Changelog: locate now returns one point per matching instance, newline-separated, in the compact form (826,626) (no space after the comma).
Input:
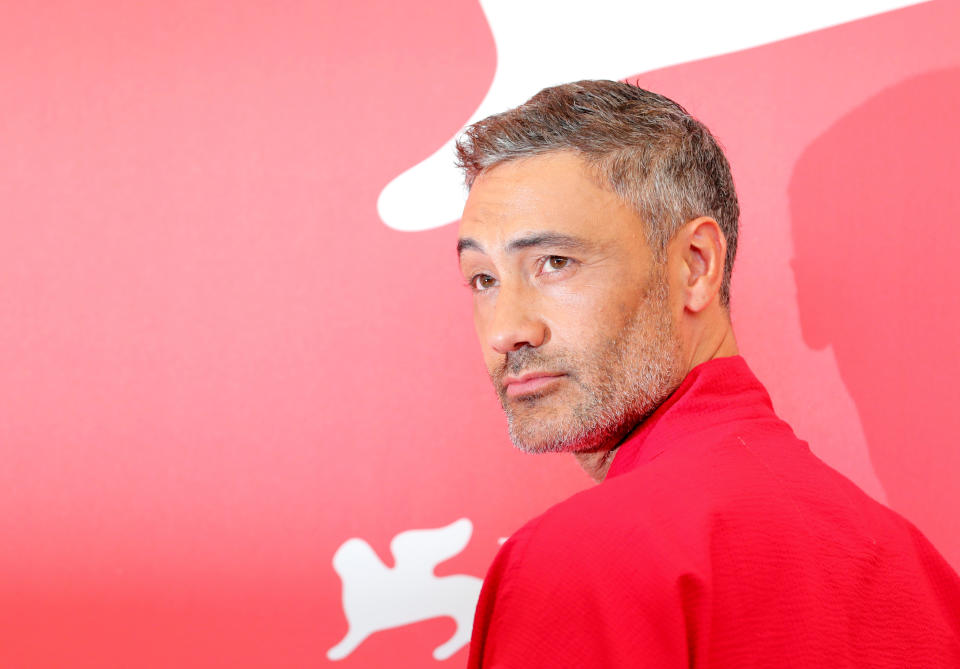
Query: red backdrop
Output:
(219,365)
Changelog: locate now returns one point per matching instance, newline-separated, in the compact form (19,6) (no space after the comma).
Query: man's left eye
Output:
(556,263)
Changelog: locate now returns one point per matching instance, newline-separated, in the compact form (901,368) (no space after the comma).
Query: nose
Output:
(516,322)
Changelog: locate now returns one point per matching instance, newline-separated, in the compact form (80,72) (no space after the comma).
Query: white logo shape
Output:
(547,42)
(376,597)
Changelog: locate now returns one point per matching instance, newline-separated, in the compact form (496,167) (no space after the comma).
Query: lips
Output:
(527,384)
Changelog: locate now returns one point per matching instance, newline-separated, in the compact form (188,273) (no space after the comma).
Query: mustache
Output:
(529,359)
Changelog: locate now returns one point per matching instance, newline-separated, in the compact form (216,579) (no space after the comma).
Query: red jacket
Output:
(718,540)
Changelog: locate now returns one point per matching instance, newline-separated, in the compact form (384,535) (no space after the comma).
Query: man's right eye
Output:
(481,282)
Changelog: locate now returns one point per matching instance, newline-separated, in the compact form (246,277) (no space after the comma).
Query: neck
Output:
(706,335)
(597,463)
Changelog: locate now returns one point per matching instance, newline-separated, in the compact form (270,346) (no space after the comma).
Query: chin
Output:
(560,440)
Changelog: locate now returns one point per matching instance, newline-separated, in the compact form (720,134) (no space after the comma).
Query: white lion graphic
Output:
(376,597)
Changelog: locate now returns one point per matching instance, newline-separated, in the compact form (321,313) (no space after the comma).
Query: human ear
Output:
(703,250)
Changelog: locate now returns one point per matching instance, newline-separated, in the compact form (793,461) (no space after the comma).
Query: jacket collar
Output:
(717,391)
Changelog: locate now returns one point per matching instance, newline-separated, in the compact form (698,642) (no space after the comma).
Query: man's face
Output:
(570,307)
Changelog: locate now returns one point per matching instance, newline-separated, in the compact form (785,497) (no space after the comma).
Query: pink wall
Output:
(219,364)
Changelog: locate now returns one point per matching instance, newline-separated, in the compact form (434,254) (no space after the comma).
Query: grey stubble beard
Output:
(620,385)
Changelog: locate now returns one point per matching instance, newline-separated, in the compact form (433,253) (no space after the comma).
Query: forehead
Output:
(555,192)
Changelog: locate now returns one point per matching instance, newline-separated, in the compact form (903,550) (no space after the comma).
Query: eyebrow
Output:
(466,243)
(554,239)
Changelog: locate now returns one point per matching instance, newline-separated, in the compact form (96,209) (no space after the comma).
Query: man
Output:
(598,240)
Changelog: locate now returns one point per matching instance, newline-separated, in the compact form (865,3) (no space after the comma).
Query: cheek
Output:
(480,324)
(584,318)
(493,363)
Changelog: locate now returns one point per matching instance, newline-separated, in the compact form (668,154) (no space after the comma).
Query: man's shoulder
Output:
(672,507)
(585,550)
(640,519)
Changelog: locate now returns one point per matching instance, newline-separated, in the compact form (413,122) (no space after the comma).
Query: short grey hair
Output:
(650,151)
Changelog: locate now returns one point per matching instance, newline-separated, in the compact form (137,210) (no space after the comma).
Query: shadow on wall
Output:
(875,203)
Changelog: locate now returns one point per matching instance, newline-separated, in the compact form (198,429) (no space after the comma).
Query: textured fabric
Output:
(718,540)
